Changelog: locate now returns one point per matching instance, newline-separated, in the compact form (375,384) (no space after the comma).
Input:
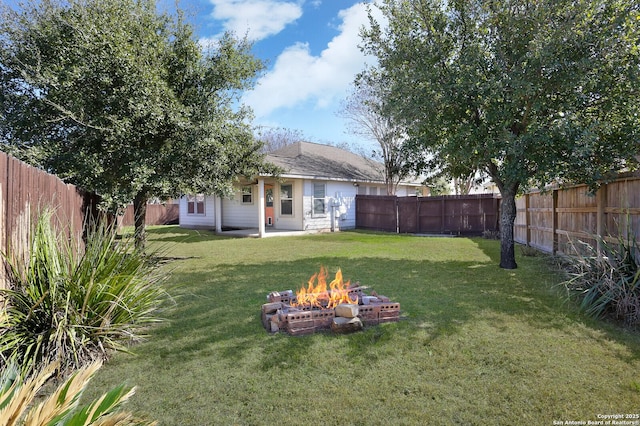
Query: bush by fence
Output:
(24,192)
(449,214)
(550,221)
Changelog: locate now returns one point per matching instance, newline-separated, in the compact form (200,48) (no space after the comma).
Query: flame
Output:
(316,294)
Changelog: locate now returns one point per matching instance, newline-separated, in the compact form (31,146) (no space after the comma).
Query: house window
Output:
(269,197)
(318,200)
(286,199)
(246,195)
(195,204)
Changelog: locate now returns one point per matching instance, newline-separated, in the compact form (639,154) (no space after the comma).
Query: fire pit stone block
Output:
(323,318)
(346,325)
(286,296)
(347,310)
(279,315)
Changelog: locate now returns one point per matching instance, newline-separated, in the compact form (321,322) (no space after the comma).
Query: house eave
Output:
(336,179)
(322,177)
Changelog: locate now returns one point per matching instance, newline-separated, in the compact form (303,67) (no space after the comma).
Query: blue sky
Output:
(312,55)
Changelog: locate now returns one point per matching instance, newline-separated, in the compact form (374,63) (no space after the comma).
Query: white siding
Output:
(206,220)
(237,214)
(340,195)
(404,191)
(314,221)
(295,221)
(344,193)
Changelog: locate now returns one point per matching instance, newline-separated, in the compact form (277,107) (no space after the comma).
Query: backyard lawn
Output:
(475,344)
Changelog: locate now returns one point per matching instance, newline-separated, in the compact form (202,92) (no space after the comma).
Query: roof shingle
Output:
(306,159)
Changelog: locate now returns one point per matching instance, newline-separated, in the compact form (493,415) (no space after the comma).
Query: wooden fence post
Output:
(442,215)
(527,219)
(498,205)
(601,202)
(418,203)
(4,185)
(554,221)
(397,209)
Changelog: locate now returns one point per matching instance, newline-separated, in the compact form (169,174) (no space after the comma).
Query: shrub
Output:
(72,304)
(607,283)
(18,400)
(528,251)
(491,234)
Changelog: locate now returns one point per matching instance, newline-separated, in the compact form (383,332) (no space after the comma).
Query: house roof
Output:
(316,161)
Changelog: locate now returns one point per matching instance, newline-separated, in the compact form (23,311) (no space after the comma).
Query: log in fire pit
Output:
(341,307)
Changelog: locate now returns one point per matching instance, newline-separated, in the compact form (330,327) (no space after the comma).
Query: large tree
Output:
(364,110)
(120,99)
(527,91)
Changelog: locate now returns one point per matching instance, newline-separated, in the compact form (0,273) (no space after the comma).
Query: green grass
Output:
(476,344)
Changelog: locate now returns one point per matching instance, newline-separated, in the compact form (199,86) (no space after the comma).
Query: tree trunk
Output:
(507,219)
(140,214)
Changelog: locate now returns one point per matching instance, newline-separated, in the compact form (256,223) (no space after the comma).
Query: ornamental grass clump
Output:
(607,283)
(21,402)
(72,304)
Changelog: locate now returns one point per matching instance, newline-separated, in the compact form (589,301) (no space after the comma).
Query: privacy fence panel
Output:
(157,214)
(462,214)
(4,188)
(377,213)
(455,215)
(408,215)
(556,220)
(622,208)
(24,192)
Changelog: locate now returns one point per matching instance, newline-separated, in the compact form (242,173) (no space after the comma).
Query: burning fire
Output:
(317,295)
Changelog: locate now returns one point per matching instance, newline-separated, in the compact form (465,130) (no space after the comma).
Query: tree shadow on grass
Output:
(555,298)
(217,312)
(176,234)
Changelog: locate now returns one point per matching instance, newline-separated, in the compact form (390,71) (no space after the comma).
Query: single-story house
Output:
(316,192)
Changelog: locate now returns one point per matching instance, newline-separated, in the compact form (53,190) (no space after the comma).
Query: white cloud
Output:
(256,18)
(298,77)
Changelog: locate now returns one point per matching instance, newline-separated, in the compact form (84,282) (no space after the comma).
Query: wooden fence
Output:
(157,214)
(449,214)
(552,221)
(24,192)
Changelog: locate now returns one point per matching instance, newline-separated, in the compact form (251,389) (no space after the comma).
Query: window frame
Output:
(269,199)
(196,205)
(244,193)
(315,199)
(288,199)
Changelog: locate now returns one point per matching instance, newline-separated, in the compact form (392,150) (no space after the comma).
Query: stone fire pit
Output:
(340,307)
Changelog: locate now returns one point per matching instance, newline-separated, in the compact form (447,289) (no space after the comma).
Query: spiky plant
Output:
(18,400)
(72,304)
(607,281)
